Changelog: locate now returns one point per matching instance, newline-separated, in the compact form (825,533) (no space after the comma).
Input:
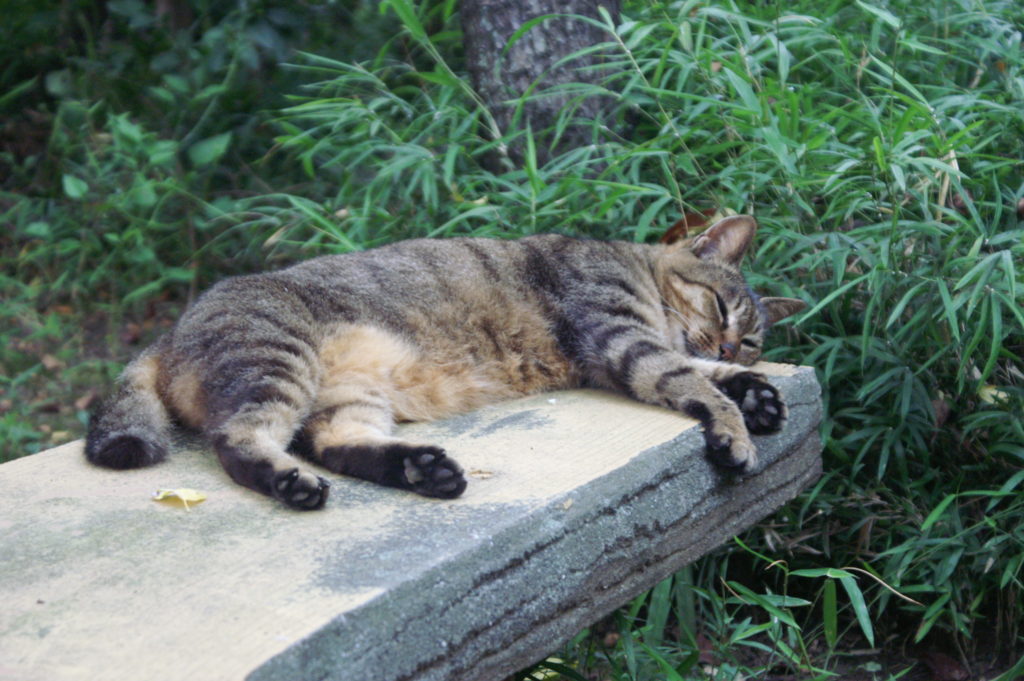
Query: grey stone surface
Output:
(577,502)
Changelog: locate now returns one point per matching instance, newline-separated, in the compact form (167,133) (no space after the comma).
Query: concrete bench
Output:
(578,501)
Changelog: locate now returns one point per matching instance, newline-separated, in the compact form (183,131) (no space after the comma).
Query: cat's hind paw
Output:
(759,401)
(432,473)
(301,490)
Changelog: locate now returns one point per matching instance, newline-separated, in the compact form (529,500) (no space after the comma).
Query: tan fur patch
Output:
(185,398)
(144,375)
(364,362)
(143,372)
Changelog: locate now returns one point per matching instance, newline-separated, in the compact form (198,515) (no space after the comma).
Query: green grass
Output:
(880,145)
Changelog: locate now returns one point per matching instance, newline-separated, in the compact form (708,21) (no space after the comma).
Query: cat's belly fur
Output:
(464,370)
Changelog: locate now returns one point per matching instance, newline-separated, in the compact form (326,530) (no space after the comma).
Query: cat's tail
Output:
(131,428)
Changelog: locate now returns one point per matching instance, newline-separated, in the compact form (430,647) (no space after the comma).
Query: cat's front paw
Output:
(301,490)
(725,435)
(432,473)
(759,401)
(731,450)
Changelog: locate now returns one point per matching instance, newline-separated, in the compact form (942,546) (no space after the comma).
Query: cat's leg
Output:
(251,446)
(351,435)
(630,358)
(254,405)
(668,379)
(759,401)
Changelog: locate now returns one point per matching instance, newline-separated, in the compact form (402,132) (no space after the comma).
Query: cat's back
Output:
(424,268)
(419,272)
(445,294)
(478,302)
(385,283)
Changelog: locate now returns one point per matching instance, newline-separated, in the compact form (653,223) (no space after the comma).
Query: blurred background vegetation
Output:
(148,149)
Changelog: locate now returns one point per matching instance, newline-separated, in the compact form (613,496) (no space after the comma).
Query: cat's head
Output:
(712,313)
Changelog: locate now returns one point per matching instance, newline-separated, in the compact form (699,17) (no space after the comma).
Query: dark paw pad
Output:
(429,471)
(759,401)
(301,490)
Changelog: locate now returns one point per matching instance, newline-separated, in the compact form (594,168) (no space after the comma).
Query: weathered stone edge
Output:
(615,577)
(616,581)
(497,611)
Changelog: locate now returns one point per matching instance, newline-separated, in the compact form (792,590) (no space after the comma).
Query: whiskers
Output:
(687,344)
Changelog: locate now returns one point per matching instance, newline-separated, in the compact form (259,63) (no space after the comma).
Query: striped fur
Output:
(321,359)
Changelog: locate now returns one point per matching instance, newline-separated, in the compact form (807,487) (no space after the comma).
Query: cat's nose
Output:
(727,351)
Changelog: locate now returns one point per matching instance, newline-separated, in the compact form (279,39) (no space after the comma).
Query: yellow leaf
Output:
(546,674)
(182,496)
(991,394)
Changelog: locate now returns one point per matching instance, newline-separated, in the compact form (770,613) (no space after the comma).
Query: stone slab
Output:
(577,502)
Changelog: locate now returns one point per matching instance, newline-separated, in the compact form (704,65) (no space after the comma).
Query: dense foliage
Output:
(879,144)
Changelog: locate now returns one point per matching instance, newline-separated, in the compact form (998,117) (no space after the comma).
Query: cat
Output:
(321,359)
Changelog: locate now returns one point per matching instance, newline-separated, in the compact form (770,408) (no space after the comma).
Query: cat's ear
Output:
(780,308)
(727,240)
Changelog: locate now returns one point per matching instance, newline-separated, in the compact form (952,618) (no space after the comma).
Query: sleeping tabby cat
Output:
(324,357)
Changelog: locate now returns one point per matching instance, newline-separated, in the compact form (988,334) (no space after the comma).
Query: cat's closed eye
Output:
(723,311)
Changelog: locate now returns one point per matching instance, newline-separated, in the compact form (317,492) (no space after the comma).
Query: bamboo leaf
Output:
(743,89)
(885,15)
(658,608)
(829,614)
(860,607)
(74,187)
(670,673)
(407,15)
(209,151)
(937,512)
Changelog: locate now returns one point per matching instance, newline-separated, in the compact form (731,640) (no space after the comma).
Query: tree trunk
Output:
(501,77)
